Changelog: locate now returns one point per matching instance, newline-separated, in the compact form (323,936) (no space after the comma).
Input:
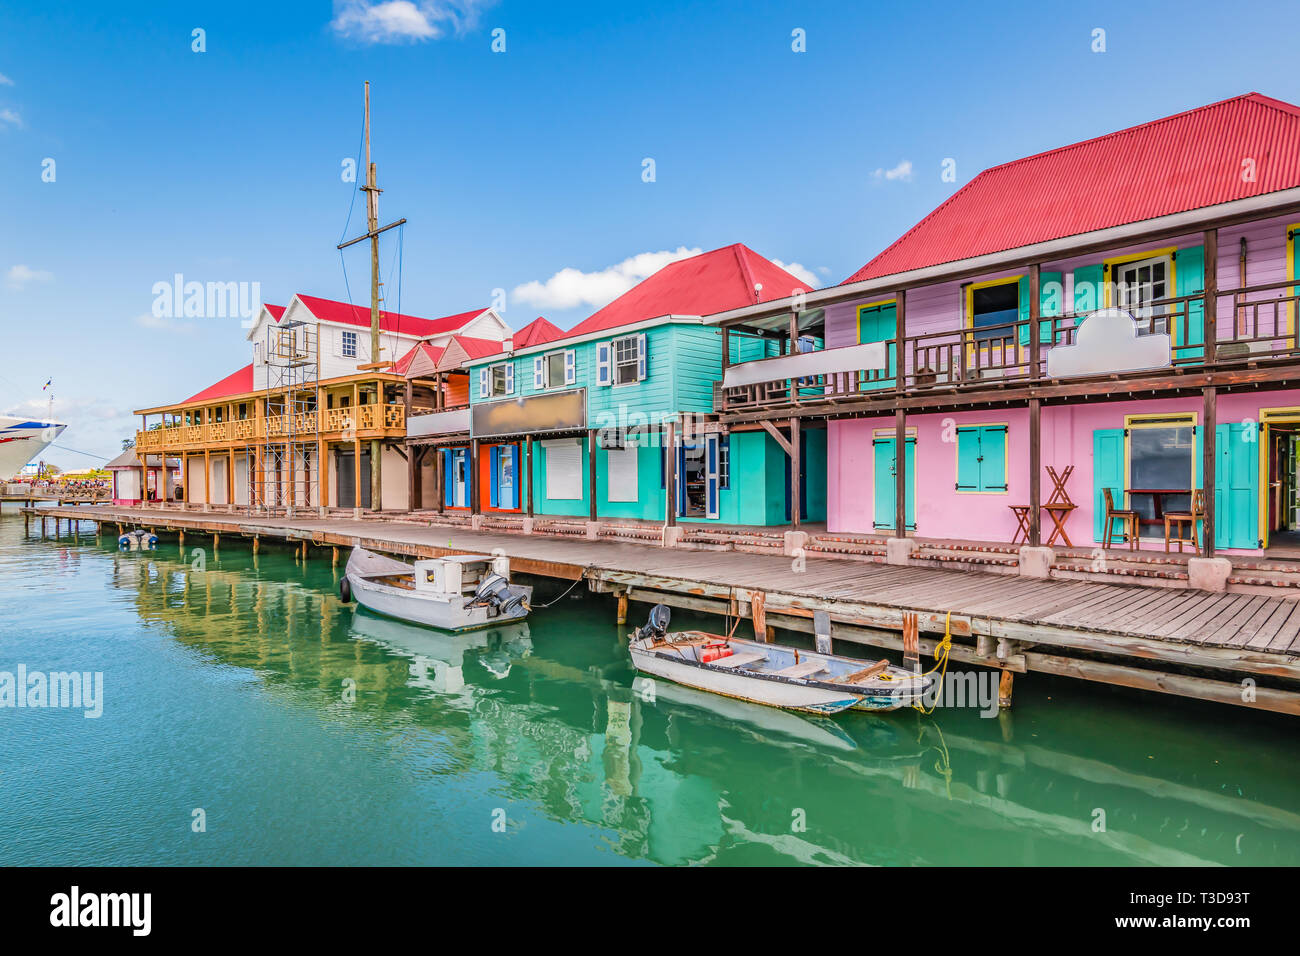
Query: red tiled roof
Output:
(536,332)
(329,310)
(701,285)
(434,353)
(1182,162)
(235,383)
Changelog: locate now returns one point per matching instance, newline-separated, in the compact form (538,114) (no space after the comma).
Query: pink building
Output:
(1158,267)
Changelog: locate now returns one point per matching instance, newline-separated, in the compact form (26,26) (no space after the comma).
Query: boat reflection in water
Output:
(438,657)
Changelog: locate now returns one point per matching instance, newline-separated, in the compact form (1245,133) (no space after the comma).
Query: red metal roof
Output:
(536,332)
(434,353)
(235,383)
(275,310)
(329,310)
(1175,164)
(477,348)
(701,285)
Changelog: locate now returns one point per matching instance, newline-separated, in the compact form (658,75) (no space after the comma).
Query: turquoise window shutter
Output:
(993,451)
(968,453)
(1189,279)
(1087,289)
(1051,302)
(1107,472)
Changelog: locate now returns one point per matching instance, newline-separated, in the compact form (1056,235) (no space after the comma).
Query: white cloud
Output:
(5,81)
(799,272)
(18,276)
(403,21)
(901,172)
(10,117)
(570,288)
(148,320)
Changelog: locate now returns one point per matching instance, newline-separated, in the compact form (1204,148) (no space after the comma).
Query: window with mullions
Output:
(724,461)
(349,345)
(1137,285)
(625,360)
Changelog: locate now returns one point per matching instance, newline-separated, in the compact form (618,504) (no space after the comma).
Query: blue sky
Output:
(224,165)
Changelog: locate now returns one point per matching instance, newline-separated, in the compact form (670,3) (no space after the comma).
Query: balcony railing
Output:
(1254,325)
(332,422)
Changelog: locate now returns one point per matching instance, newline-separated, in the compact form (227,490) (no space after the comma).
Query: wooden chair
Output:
(1175,520)
(1128,523)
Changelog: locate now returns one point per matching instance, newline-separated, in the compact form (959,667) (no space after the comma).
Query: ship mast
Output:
(373,231)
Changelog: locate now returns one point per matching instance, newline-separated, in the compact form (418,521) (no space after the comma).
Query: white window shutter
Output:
(510,378)
(539,373)
(570,367)
(640,357)
(602,363)
(483,382)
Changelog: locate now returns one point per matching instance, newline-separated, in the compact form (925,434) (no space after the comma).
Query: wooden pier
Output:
(1227,647)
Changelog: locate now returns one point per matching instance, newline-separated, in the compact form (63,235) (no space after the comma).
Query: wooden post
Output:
(622,607)
(207,479)
(591,470)
(256,542)
(439,480)
(1004,689)
(528,467)
(794,348)
(216,542)
(1035,472)
(1210,421)
(413,455)
(796,481)
(900,341)
(322,455)
(900,473)
(670,472)
(1211,308)
(334,557)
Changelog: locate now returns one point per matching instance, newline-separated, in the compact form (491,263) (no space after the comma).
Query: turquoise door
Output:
(879,323)
(1107,472)
(1236,486)
(885,500)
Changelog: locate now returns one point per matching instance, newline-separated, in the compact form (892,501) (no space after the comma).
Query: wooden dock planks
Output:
(1253,633)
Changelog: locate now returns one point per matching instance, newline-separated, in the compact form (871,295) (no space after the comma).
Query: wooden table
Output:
(1158,496)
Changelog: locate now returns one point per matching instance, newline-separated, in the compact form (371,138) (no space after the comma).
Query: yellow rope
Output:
(940,664)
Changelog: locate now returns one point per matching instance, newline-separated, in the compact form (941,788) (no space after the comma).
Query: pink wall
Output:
(942,512)
(938,308)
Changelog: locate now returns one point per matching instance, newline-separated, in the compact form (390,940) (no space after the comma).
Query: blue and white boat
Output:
(771,674)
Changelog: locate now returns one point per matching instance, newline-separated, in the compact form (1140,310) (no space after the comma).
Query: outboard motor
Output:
(496,593)
(657,624)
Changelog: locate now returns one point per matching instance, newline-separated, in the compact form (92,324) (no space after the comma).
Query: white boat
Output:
(771,674)
(22,439)
(457,592)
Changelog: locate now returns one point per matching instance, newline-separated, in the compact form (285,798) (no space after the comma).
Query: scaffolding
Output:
(281,458)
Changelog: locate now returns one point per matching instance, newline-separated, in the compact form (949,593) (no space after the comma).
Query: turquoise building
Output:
(624,403)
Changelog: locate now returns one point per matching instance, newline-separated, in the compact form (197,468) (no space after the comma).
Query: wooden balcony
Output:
(1254,330)
(330,424)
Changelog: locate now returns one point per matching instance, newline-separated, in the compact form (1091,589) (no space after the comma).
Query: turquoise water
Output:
(226,690)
